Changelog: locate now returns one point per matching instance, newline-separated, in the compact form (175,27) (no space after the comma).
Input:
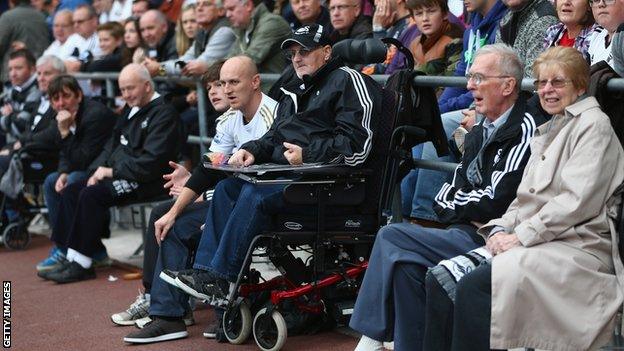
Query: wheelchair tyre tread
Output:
(237,323)
(15,236)
(270,331)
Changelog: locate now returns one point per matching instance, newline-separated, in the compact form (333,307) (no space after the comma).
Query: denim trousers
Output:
(52,198)
(391,302)
(176,253)
(420,186)
(238,212)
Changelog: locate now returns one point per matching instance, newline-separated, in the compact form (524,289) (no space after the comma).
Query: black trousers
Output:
(464,326)
(83,217)
(150,248)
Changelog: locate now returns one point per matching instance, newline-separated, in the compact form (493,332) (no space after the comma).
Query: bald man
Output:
(129,169)
(160,39)
(249,117)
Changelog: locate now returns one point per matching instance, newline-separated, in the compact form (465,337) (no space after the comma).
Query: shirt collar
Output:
(136,109)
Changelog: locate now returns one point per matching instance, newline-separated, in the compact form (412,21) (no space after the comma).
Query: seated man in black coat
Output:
(128,169)
(82,126)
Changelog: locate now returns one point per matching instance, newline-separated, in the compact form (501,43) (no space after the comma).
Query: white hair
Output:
(56,63)
(509,63)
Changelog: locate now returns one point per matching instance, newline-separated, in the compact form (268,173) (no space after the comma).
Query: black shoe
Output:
(218,292)
(169,276)
(72,273)
(211,330)
(46,274)
(158,330)
(194,284)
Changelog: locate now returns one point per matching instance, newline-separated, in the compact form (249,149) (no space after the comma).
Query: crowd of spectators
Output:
(107,145)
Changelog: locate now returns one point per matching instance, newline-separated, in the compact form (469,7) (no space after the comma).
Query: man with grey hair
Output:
(259,33)
(85,24)
(212,42)
(65,40)
(483,186)
(128,169)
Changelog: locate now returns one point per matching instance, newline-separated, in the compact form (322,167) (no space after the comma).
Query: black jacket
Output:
(41,135)
(503,164)
(362,28)
(329,115)
(94,124)
(140,147)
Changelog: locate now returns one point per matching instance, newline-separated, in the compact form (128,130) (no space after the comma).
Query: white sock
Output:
(84,261)
(368,344)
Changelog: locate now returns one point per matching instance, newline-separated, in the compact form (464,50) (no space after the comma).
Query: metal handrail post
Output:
(201,115)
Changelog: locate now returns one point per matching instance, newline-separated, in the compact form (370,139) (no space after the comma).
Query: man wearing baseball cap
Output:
(324,116)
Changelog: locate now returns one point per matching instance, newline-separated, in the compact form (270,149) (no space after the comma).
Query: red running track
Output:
(47,316)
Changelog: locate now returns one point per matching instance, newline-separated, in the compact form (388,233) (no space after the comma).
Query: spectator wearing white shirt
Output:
(113,10)
(85,25)
(65,40)
(608,14)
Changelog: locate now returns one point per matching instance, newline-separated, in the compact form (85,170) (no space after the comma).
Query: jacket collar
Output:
(511,126)
(159,100)
(581,105)
(256,14)
(302,86)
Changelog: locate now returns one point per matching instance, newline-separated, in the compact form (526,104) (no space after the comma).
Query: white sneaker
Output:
(137,310)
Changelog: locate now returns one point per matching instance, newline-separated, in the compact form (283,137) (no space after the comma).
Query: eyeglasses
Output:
(303,52)
(79,22)
(596,3)
(341,8)
(556,83)
(478,78)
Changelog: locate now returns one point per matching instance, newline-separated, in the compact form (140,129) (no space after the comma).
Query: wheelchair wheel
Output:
(270,330)
(237,323)
(16,236)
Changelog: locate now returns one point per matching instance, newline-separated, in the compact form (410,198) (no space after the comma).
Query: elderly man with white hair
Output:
(128,169)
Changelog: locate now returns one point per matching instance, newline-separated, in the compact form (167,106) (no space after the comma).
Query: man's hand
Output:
(99,175)
(18,45)
(195,68)
(162,226)
(383,16)
(6,110)
(191,98)
(72,65)
(177,178)
(501,242)
(17,145)
(64,121)
(152,66)
(61,182)
(293,154)
(242,158)
(469,120)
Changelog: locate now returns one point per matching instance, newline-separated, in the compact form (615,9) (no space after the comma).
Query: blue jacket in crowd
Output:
(482,31)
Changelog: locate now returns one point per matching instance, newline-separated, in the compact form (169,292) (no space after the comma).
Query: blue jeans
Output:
(418,203)
(238,212)
(391,302)
(175,254)
(52,198)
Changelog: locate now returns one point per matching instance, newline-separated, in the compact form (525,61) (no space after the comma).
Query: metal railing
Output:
(203,140)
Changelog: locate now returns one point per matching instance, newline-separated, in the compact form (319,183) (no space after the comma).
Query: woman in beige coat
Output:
(553,281)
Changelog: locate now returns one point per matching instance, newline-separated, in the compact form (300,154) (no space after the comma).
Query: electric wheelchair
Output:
(347,207)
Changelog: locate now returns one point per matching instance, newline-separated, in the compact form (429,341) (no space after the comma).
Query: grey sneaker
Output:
(137,310)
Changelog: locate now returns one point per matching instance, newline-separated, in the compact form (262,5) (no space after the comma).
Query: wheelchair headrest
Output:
(361,51)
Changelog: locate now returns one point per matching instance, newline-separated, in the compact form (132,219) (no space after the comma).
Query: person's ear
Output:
(255,82)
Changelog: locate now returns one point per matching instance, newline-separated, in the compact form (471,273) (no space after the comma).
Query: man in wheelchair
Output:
(324,116)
